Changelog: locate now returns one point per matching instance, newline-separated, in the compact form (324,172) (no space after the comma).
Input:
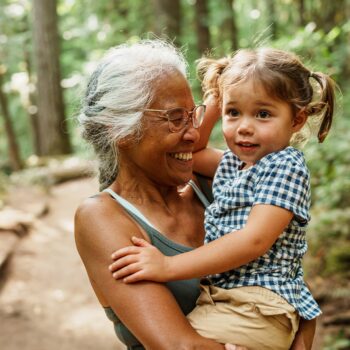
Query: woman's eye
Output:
(232,112)
(263,114)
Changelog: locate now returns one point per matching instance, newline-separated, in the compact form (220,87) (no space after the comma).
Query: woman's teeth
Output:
(182,156)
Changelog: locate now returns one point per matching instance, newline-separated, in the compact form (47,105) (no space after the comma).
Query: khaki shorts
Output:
(251,316)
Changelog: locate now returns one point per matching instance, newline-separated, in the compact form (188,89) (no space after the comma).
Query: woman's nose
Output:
(191,133)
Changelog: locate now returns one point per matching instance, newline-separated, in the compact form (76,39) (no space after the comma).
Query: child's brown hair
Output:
(283,76)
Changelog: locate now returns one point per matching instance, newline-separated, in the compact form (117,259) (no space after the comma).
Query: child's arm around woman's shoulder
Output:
(206,160)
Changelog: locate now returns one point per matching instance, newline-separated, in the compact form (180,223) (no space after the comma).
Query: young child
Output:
(255,228)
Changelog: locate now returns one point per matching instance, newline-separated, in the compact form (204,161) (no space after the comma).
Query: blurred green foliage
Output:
(336,342)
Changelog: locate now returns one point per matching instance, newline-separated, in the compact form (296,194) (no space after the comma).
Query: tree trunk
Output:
(32,108)
(202,26)
(330,14)
(229,25)
(302,13)
(272,18)
(53,132)
(168,19)
(13,149)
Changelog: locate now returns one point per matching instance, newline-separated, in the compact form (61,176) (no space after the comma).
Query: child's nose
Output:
(245,126)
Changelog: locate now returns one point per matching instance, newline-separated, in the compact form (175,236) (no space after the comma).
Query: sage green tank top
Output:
(185,292)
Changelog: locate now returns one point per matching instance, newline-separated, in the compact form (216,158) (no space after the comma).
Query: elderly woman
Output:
(140,117)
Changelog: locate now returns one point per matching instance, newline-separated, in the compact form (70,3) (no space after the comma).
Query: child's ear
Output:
(299,120)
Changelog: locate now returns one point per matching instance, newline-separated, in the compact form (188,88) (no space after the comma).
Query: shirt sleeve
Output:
(287,185)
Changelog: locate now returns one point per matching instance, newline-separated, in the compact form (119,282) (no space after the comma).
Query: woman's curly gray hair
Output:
(118,90)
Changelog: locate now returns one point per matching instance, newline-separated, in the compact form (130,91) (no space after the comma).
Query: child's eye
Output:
(232,112)
(263,114)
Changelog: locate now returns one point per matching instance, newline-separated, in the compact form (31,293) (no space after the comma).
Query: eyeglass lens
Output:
(178,118)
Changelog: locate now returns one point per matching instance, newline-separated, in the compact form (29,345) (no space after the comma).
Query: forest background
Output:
(49,47)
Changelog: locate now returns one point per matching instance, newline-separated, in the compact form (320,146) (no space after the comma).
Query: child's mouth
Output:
(246,145)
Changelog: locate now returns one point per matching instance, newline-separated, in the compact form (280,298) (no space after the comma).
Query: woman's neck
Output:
(141,190)
(173,210)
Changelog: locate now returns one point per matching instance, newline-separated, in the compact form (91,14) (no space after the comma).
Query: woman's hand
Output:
(140,262)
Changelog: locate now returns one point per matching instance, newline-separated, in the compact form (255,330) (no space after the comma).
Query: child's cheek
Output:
(228,130)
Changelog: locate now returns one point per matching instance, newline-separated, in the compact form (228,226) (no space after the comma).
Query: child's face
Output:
(254,123)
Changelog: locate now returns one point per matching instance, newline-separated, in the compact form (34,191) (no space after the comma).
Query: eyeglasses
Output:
(179,117)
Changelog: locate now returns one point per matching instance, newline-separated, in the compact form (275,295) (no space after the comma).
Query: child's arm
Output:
(206,160)
(212,115)
(264,225)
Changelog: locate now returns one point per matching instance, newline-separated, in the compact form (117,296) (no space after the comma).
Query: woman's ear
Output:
(299,120)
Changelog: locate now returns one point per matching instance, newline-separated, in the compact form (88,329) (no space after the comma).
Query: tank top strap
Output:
(157,239)
(204,186)
(201,196)
(128,206)
(137,214)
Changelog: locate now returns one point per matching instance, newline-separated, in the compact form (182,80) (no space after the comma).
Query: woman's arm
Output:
(148,309)
(229,251)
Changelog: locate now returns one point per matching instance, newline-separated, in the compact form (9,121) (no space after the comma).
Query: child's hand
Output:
(140,262)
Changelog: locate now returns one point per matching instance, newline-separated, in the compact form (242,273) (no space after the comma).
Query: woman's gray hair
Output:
(117,92)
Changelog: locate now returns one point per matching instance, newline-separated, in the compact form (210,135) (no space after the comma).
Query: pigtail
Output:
(325,104)
(209,72)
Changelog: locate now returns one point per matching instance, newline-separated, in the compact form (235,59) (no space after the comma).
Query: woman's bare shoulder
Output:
(93,211)
(101,223)
(94,207)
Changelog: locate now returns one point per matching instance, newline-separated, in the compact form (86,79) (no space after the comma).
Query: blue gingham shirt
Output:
(281,179)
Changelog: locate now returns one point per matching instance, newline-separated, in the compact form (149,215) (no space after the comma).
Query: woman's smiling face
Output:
(163,156)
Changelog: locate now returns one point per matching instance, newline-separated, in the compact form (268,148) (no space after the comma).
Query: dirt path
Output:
(46,301)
